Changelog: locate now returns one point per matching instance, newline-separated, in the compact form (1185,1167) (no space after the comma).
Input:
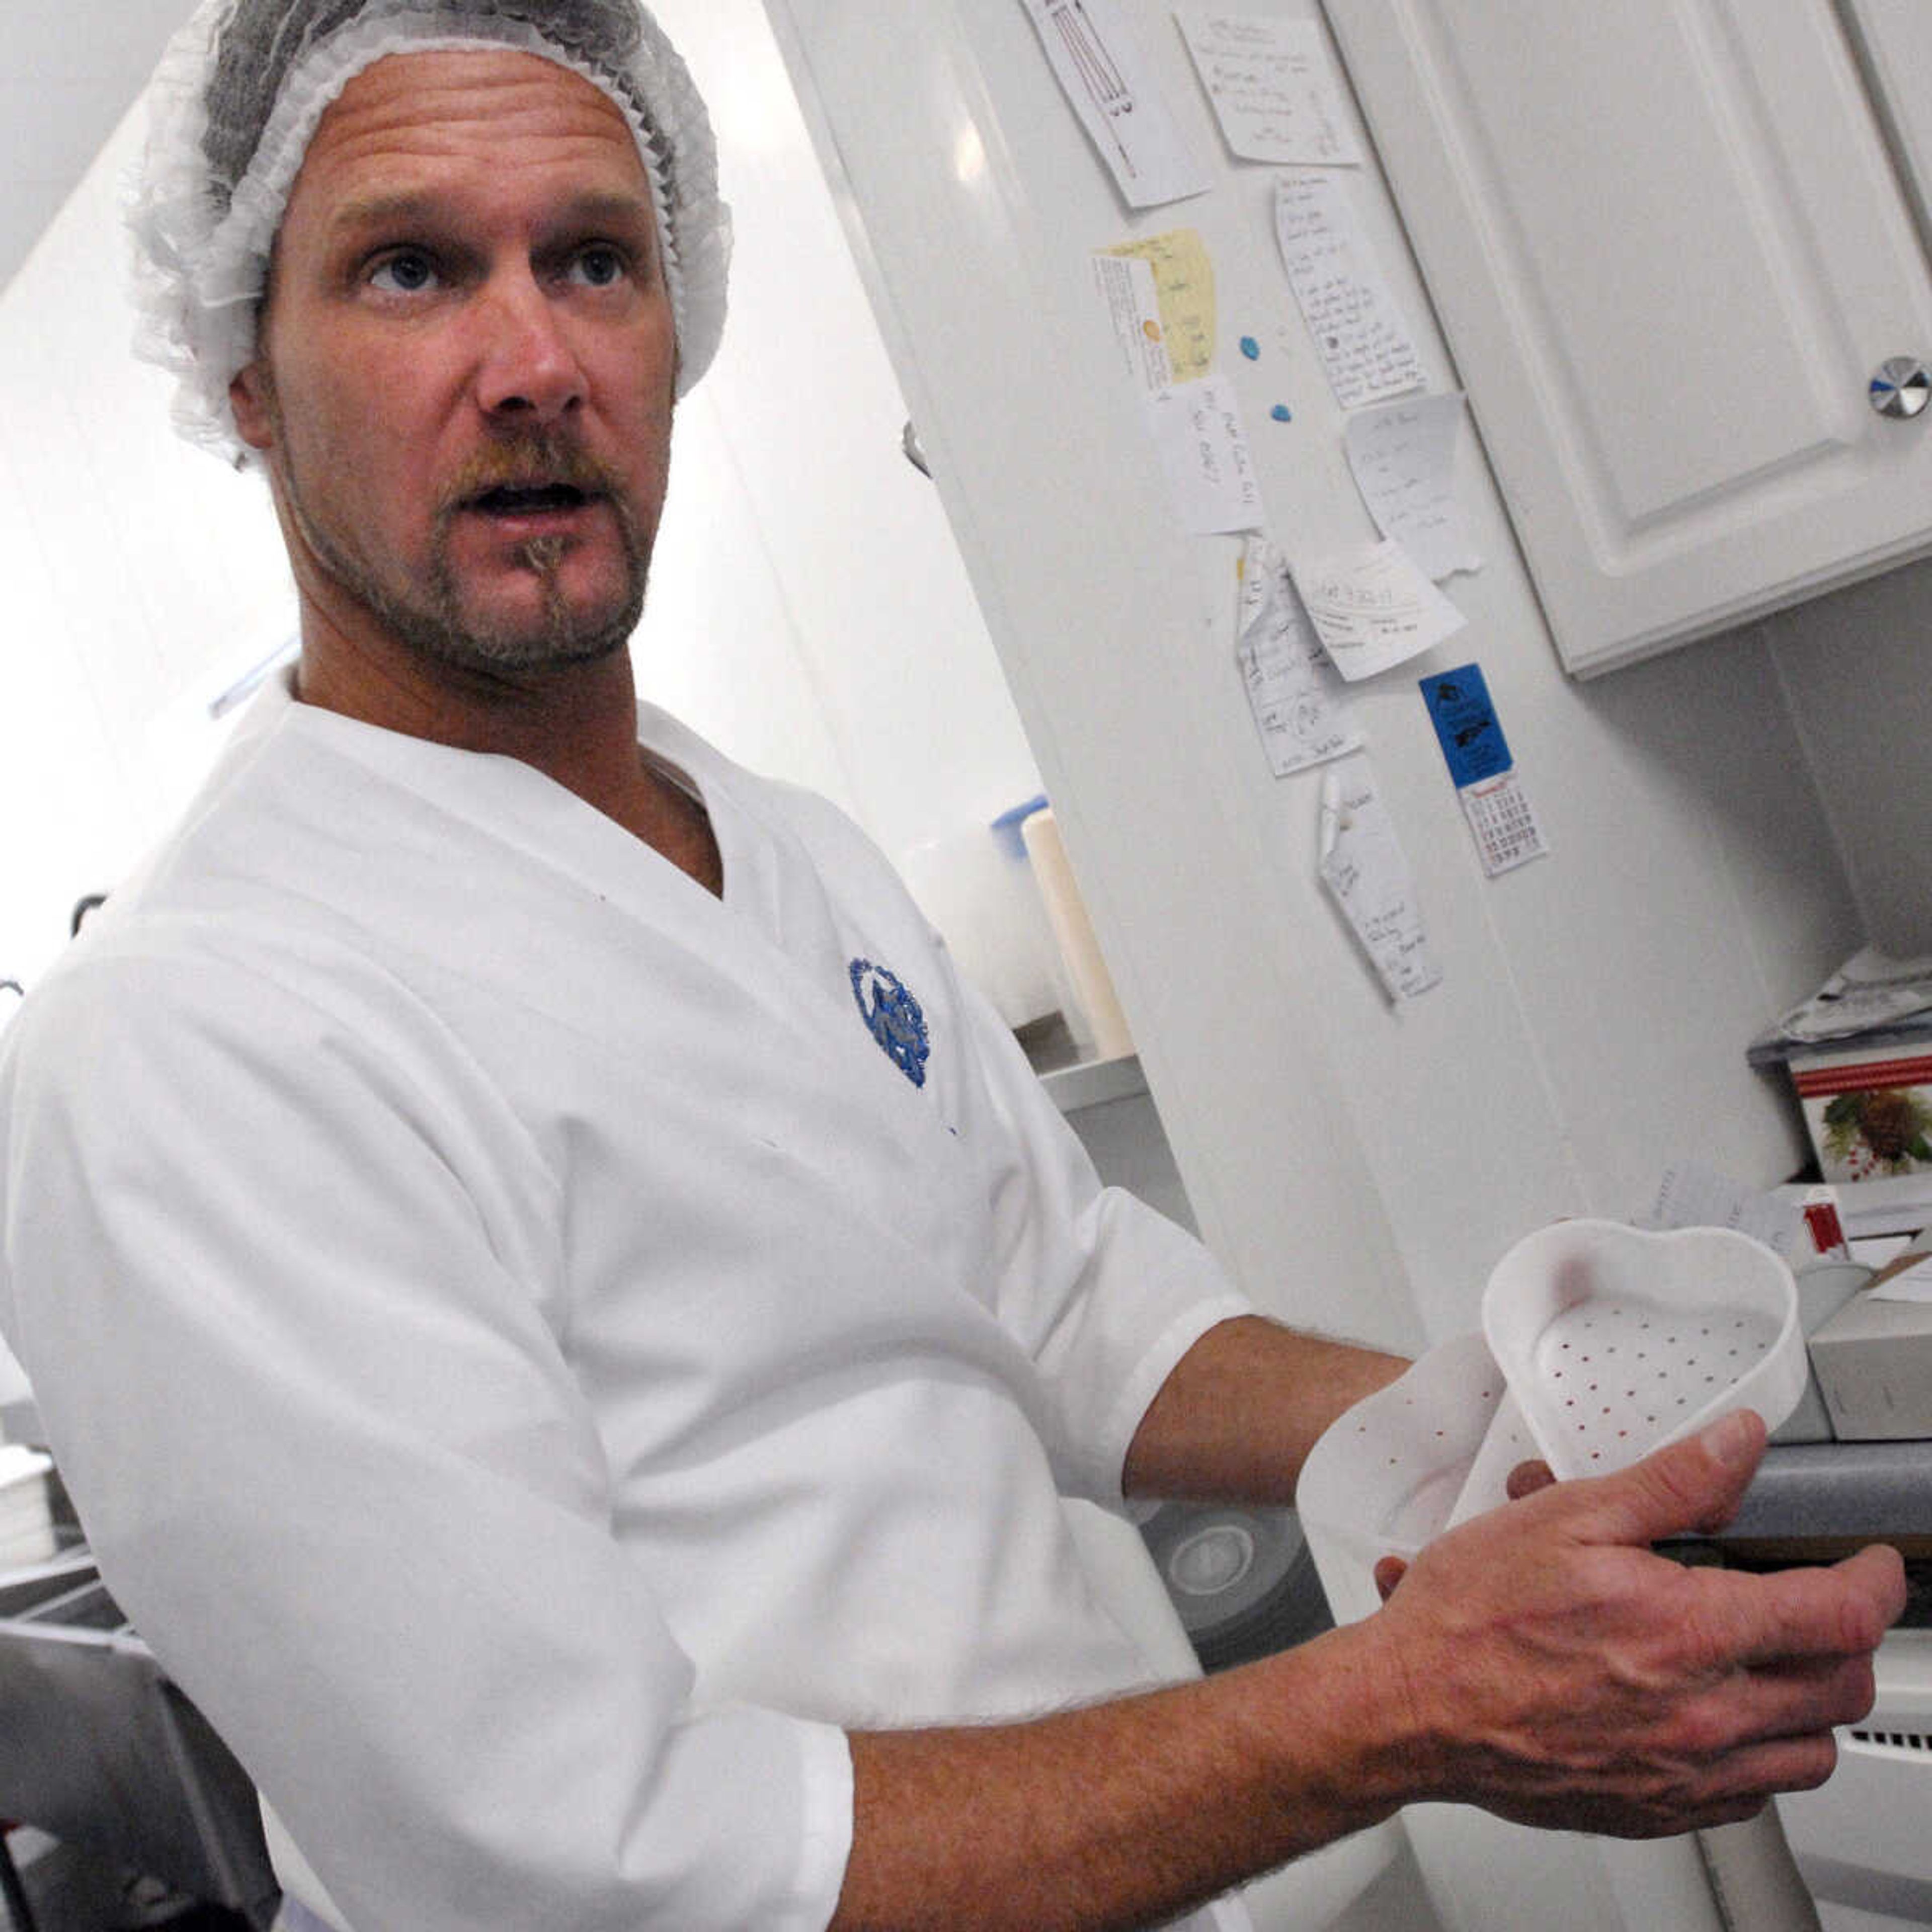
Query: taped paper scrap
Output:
(1272,87)
(1374,609)
(1133,306)
(1111,85)
(1363,864)
(1403,456)
(1184,281)
(1299,701)
(1365,342)
(1197,428)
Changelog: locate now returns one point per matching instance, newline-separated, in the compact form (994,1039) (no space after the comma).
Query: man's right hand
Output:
(1540,1661)
(1559,1673)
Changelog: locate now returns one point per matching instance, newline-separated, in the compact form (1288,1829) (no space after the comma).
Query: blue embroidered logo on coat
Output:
(896,1019)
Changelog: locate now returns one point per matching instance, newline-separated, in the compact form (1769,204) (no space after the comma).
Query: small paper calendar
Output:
(1506,831)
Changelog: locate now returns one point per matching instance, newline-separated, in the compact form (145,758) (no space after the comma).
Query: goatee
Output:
(428,615)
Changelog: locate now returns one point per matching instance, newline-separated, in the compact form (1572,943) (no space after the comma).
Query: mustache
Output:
(539,460)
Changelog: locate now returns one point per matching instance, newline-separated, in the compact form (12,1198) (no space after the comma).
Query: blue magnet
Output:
(1251,349)
(1282,413)
(1466,724)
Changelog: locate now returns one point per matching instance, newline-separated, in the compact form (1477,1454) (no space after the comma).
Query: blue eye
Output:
(602,267)
(407,273)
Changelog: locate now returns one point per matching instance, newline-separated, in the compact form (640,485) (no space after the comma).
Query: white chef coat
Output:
(540,1351)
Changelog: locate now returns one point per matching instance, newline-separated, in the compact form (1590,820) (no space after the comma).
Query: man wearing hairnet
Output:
(568,1326)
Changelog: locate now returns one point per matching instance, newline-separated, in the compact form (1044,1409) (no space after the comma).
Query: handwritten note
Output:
(1363,866)
(1133,306)
(1403,455)
(1197,428)
(1111,85)
(1365,344)
(1373,609)
(1299,702)
(1274,91)
(1183,280)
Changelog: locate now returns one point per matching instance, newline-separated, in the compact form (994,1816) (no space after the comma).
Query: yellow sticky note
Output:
(1183,275)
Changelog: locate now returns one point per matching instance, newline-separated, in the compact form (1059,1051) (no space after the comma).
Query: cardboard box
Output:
(1873,1362)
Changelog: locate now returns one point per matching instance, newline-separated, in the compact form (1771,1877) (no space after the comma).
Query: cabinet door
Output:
(1669,249)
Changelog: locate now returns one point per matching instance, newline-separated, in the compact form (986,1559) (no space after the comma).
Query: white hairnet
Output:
(237,99)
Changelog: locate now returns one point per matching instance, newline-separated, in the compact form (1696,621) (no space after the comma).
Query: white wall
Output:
(1858,666)
(134,569)
(807,610)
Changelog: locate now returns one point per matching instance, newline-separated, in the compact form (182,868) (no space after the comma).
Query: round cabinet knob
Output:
(1901,387)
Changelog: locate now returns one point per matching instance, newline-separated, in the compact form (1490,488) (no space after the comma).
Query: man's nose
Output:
(529,368)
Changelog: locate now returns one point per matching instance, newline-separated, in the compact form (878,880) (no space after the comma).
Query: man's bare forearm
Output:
(1540,1661)
(1235,1420)
(1121,1814)
(1127,1813)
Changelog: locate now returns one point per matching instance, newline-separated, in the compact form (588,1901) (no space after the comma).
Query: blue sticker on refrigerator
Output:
(1505,828)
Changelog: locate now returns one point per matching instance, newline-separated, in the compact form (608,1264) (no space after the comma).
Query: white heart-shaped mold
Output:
(1616,1341)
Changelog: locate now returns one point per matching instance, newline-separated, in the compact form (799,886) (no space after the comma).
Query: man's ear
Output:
(249,396)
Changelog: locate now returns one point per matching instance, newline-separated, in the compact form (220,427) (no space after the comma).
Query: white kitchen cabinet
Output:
(1670,245)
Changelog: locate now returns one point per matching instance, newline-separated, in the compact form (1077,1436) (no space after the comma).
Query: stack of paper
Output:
(1869,993)
(26,1507)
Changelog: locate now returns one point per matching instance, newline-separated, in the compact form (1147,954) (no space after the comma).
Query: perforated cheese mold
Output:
(1383,1478)
(1625,1373)
(1600,1342)
(1616,1341)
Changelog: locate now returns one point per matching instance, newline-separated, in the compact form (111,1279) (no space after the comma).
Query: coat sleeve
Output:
(284,1270)
(1106,1293)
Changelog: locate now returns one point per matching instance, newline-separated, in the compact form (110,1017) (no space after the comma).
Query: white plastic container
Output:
(1616,1341)
(1600,1343)
(1381,1481)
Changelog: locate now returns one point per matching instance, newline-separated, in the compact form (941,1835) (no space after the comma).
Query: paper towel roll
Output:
(1093,986)
(977,893)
